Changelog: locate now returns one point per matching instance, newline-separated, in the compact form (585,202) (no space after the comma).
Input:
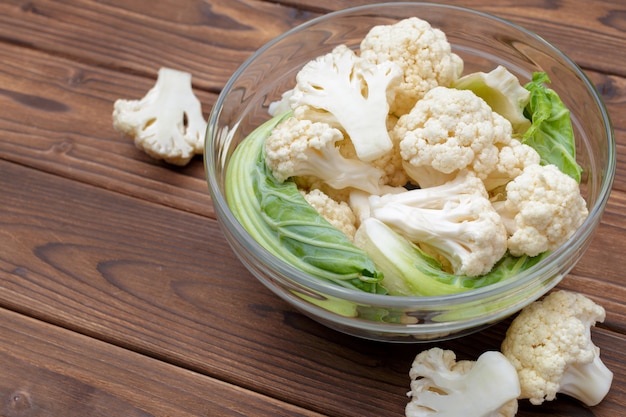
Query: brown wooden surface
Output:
(118,293)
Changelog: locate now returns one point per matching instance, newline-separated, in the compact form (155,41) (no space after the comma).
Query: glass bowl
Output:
(483,41)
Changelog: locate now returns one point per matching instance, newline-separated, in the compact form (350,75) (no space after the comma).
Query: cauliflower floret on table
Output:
(449,130)
(549,344)
(338,213)
(167,123)
(353,93)
(302,148)
(542,209)
(422,52)
(455,222)
(443,387)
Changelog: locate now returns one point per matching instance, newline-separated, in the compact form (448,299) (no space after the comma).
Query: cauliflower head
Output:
(449,130)
(454,222)
(421,51)
(167,123)
(443,387)
(352,92)
(513,158)
(549,344)
(338,213)
(543,208)
(302,148)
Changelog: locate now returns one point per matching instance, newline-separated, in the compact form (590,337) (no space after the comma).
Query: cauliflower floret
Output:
(338,213)
(542,209)
(455,222)
(443,387)
(167,123)
(301,148)
(447,131)
(353,92)
(549,344)
(422,52)
(392,165)
(513,158)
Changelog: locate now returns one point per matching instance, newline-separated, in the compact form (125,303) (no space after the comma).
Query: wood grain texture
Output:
(210,40)
(49,371)
(113,272)
(582,29)
(57,117)
(176,292)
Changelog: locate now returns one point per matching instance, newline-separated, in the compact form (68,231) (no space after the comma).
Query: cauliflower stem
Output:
(443,387)
(408,270)
(588,382)
(456,219)
(167,123)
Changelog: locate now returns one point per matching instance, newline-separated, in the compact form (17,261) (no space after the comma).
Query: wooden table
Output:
(118,293)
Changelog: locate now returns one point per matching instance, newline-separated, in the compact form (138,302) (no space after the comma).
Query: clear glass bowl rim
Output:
(526,279)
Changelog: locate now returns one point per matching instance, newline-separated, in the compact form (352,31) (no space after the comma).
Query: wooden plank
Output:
(146,39)
(208,40)
(211,41)
(163,282)
(49,371)
(613,90)
(60,101)
(57,117)
(591,34)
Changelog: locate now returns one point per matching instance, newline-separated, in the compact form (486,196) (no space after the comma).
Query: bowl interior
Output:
(483,41)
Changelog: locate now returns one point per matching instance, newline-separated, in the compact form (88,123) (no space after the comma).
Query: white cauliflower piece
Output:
(549,344)
(513,158)
(167,123)
(542,209)
(338,213)
(443,387)
(302,148)
(455,222)
(449,130)
(353,92)
(422,52)
(390,163)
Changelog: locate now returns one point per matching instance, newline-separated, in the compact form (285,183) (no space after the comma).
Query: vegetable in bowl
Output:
(335,300)
(441,178)
(278,216)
